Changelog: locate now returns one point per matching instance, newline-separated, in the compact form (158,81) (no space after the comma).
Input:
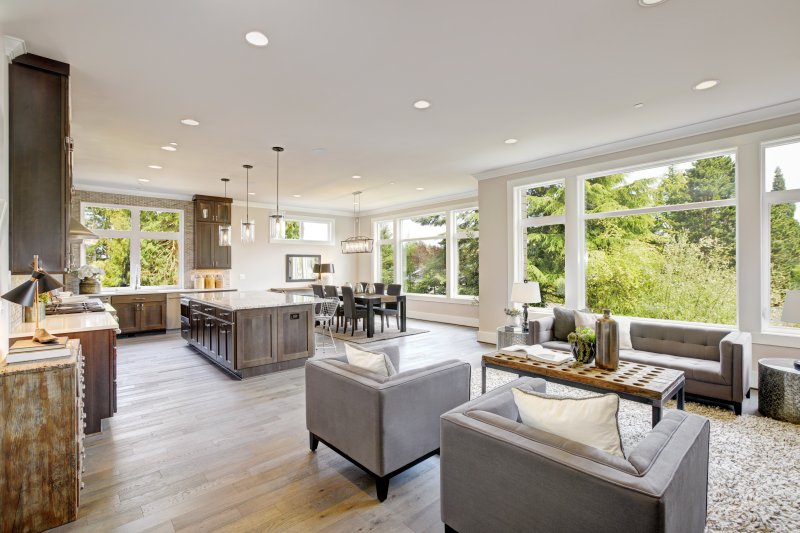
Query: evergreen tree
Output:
(778,182)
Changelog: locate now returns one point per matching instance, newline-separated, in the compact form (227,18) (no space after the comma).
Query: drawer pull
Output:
(294,316)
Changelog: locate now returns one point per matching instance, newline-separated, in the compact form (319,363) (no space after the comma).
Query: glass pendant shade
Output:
(357,244)
(225,235)
(248,231)
(277,226)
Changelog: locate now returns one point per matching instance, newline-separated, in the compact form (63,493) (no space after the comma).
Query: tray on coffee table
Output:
(633,381)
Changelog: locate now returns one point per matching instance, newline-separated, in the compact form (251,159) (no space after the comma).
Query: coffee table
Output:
(632,381)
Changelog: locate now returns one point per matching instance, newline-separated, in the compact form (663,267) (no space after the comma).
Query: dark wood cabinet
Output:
(39,162)
(210,212)
(250,342)
(147,312)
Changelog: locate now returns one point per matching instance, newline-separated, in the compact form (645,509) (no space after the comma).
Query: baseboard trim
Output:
(489,337)
(447,319)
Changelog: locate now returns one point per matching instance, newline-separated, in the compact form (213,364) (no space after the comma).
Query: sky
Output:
(787,157)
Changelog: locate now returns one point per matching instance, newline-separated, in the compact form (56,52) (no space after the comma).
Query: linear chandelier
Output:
(357,244)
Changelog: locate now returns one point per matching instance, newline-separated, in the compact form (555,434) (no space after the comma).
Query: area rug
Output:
(754,470)
(361,336)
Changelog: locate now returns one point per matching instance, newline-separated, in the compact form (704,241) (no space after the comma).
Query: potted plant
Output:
(90,279)
(583,345)
(514,316)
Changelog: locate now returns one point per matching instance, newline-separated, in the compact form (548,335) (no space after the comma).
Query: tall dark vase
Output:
(607,335)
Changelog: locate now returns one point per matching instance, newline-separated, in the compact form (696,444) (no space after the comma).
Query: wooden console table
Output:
(647,384)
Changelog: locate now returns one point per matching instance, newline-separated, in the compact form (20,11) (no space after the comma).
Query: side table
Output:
(507,338)
(779,389)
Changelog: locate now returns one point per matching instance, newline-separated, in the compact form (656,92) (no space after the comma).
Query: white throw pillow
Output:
(624,333)
(591,421)
(375,362)
(584,320)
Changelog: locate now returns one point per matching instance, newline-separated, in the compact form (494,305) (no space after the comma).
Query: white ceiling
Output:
(342,75)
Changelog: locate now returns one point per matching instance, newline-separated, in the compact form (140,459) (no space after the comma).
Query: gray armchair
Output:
(716,362)
(499,475)
(382,425)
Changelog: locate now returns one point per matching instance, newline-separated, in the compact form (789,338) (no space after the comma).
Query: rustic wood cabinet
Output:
(41,442)
(139,313)
(210,212)
(40,173)
(250,342)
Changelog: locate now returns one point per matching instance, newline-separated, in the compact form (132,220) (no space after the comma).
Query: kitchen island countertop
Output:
(250,299)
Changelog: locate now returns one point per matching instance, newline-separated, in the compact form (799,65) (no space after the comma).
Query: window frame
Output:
(769,199)
(330,222)
(136,235)
(450,236)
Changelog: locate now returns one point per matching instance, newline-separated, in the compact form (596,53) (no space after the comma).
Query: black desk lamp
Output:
(27,295)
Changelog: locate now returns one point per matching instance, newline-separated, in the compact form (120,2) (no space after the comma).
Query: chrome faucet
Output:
(136,284)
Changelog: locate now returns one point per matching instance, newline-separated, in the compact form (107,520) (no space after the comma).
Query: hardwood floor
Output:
(191,449)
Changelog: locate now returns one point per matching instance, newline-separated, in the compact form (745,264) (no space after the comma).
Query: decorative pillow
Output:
(375,362)
(564,322)
(624,333)
(591,421)
(584,320)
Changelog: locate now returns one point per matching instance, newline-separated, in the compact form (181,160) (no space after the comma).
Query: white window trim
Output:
(136,235)
(330,241)
(450,236)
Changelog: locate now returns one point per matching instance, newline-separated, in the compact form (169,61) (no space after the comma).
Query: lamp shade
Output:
(791,308)
(526,293)
(78,231)
(47,282)
(24,294)
(326,268)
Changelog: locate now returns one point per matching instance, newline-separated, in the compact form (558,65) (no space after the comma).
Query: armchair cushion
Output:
(591,421)
(374,362)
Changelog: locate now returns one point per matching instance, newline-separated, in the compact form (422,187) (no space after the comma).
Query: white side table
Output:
(779,389)
(507,338)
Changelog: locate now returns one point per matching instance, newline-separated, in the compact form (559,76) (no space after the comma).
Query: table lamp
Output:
(27,294)
(324,270)
(526,293)
(791,313)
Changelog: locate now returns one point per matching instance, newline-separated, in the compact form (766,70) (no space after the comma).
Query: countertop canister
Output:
(607,335)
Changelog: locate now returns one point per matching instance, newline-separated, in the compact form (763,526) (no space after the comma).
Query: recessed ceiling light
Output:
(169,148)
(318,151)
(705,85)
(511,141)
(189,122)
(650,3)
(420,188)
(391,183)
(156,167)
(356,177)
(297,195)
(422,104)
(173,144)
(256,38)
(638,106)
(251,193)
(144,180)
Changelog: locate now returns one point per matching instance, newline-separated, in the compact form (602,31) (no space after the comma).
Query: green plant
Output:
(513,311)
(582,341)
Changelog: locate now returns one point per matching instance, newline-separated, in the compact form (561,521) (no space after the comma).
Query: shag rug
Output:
(754,470)
(361,336)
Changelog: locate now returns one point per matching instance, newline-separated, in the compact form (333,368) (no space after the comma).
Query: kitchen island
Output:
(249,333)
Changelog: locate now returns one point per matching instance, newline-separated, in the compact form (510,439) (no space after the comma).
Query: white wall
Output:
(263,264)
(5,274)
(495,196)
(462,311)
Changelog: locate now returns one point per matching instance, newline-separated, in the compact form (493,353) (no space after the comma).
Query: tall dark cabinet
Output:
(40,165)
(210,212)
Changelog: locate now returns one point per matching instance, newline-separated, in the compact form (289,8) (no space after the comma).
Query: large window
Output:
(433,254)
(661,242)
(135,244)
(782,182)
(307,229)
(543,208)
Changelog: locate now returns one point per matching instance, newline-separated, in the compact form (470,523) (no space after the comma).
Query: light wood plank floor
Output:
(191,449)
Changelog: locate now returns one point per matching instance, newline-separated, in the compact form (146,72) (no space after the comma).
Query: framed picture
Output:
(301,267)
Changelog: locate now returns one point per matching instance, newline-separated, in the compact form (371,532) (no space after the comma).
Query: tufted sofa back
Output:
(680,340)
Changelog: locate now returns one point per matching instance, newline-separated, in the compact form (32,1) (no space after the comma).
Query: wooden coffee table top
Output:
(630,378)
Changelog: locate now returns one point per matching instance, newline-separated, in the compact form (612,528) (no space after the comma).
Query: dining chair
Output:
(390,308)
(351,311)
(327,312)
(319,292)
(332,292)
(379,288)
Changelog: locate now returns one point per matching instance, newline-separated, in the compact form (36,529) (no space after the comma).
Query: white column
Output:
(752,238)
(575,286)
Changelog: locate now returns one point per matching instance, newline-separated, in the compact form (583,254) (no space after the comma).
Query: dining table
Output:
(372,300)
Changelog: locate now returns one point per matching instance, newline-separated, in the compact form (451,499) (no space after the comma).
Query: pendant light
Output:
(277,220)
(225,230)
(248,224)
(357,244)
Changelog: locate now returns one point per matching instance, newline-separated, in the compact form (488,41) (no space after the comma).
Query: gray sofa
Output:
(715,362)
(499,475)
(382,425)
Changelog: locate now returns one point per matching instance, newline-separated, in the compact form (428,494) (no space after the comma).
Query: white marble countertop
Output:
(251,299)
(125,292)
(60,324)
